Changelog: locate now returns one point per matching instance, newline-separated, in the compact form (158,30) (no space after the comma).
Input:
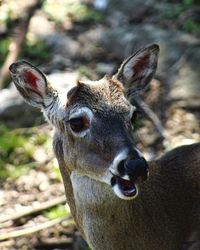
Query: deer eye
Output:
(79,124)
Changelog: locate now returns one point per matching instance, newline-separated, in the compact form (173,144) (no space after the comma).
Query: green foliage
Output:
(56,171)
(6,14)
(40,139)
(191,26)
(85,71)
(175,11)
(17,151)
(58,11)
(12,172)
(185,2)
(188,2)
(36,50)
(4,46)
(56,212)
(11,143)
(88,15)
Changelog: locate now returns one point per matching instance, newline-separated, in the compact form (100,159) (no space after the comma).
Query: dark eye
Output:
(134,116)
(79,124)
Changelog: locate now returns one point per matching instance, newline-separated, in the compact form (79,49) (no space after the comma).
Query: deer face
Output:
(95,119)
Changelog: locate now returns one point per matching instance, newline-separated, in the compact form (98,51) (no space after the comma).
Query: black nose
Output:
(134,168)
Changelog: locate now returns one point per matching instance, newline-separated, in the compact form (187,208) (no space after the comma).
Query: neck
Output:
(98,208)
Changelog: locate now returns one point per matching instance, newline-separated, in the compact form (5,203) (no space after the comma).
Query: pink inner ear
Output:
(142,63)
(31,79)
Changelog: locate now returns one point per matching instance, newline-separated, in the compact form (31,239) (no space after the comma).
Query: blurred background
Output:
(73,39)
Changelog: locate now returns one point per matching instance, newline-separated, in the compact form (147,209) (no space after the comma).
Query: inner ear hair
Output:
(137,70)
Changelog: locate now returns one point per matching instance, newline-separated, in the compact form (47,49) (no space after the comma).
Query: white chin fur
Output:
(118,192)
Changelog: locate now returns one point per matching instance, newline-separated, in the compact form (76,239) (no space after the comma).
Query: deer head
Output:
(95,119)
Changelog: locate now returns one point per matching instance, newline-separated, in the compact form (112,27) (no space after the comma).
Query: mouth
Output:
(124,188)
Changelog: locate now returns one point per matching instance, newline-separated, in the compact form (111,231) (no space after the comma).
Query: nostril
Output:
(134,168)
(121,167)
(135,163)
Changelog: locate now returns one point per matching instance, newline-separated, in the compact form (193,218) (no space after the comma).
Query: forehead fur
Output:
(105,94)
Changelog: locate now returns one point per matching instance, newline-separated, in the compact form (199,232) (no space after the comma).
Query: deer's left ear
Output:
(137,71)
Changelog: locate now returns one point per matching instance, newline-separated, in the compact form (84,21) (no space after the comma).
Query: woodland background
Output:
(72,39)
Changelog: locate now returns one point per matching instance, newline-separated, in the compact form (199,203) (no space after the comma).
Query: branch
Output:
(25,230)
(6,244)
(34,210)
(152,116)
(18,40)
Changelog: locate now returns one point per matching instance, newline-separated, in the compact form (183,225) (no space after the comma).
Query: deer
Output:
(119,201)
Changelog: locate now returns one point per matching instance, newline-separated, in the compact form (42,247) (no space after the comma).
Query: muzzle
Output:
(129,173)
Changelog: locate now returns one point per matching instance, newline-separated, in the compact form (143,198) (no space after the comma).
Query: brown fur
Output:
(166,213)
(163,217)
(103,95)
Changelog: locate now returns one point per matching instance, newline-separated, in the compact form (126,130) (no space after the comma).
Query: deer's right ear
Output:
(32,84)
(137,71)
